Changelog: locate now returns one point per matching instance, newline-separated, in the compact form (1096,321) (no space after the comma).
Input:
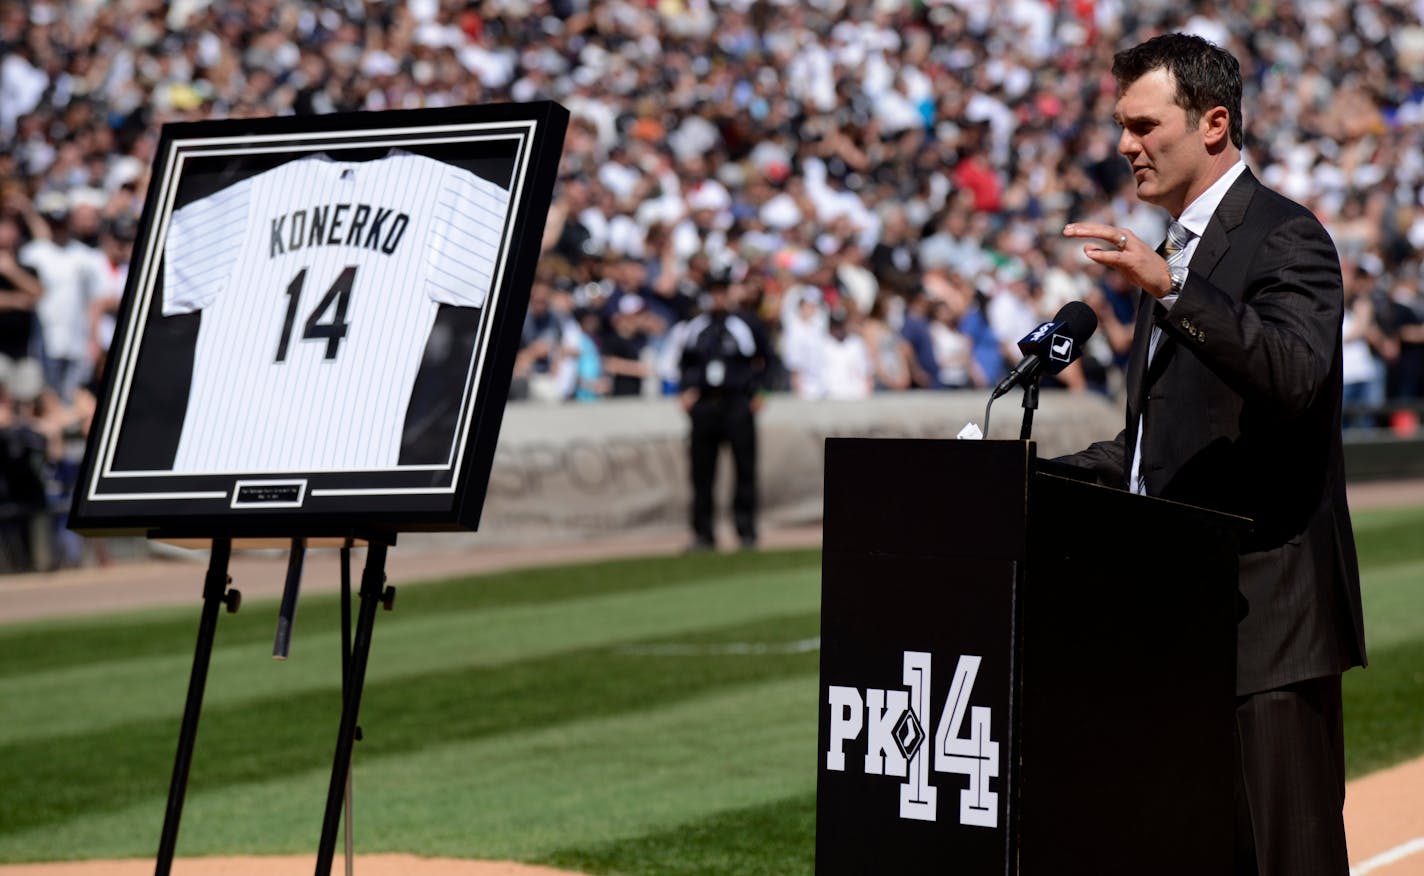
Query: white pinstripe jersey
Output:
(318,283)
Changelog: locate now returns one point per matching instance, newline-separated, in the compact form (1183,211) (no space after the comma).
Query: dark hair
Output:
(1206,75)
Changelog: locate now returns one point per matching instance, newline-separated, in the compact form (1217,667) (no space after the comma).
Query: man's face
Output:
(1167,155)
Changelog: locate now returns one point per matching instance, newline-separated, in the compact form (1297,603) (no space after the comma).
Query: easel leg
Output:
(214,593)
(345,687)
(373,581)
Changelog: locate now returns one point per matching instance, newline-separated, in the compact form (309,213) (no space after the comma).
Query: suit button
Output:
(1186,324)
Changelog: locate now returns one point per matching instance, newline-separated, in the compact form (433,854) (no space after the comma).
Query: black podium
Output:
(1021,673)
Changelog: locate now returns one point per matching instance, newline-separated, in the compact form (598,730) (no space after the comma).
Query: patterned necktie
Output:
(1178,236)
(1174,247)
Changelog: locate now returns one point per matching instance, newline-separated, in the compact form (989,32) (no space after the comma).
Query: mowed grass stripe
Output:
(1384,708)
(422,635)
(524,793)
(1384,702)
(1388,536)
(772,839)
(55,644)
(50,780)
(588,782)
(1394,603)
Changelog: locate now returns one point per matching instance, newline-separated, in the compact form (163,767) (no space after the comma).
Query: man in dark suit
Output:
(1233,388)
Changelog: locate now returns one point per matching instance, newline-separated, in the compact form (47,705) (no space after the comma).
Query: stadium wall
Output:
(574,471)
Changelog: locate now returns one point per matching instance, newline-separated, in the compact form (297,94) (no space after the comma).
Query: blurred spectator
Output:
(116,245)
(953,351)
(803,332)
(1115,304)
(889,353)
(592,384)
(19,293)
(1406,374)
(540,363)
(71,271)
(895,258)
(976,174)
(623,345)
(25,542)
(1013,310)
(915,329)
(1363,368)
(951,245)
(966,306)
(841,366)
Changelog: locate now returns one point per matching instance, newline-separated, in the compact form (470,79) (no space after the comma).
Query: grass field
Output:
(653,716)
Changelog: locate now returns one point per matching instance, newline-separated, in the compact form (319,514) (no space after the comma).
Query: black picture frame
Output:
(134,480)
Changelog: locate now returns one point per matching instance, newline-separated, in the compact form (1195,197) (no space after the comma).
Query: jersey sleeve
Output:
(203,243)
(468,225)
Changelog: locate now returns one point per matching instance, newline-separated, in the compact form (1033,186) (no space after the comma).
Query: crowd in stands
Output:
(883,181)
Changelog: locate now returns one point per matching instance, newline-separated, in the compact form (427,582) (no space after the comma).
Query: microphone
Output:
(1052,346)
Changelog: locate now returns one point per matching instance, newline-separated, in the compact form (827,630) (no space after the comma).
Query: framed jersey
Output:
(320,323)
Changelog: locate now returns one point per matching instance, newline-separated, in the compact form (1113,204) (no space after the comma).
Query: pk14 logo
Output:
(896,723)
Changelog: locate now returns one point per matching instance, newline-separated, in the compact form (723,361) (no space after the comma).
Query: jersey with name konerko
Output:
(318,283)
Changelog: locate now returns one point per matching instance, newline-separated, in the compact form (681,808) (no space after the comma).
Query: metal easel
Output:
(355,655)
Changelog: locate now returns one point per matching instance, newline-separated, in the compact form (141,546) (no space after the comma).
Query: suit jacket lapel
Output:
(1230,213)
(1211,249)
(1137,360)
(1166,345)
(1141,373)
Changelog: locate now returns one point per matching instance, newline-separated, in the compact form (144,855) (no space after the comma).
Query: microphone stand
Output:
(1030,404)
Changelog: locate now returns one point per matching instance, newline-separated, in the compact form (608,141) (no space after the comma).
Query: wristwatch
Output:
(1179,277)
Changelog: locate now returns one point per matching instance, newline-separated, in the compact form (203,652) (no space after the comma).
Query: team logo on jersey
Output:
(895,725)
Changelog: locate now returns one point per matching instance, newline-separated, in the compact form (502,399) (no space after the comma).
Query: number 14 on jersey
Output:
(327,321)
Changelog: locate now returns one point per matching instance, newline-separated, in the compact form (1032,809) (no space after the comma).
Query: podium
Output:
(1021,673)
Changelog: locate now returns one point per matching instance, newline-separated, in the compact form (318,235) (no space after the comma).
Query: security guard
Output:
(723,365)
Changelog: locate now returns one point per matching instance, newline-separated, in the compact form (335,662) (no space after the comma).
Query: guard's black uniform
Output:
(725,358)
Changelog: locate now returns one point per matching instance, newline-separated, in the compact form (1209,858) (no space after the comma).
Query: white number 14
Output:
(977,756)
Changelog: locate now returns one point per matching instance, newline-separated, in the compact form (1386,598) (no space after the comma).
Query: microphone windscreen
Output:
(1079,319)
